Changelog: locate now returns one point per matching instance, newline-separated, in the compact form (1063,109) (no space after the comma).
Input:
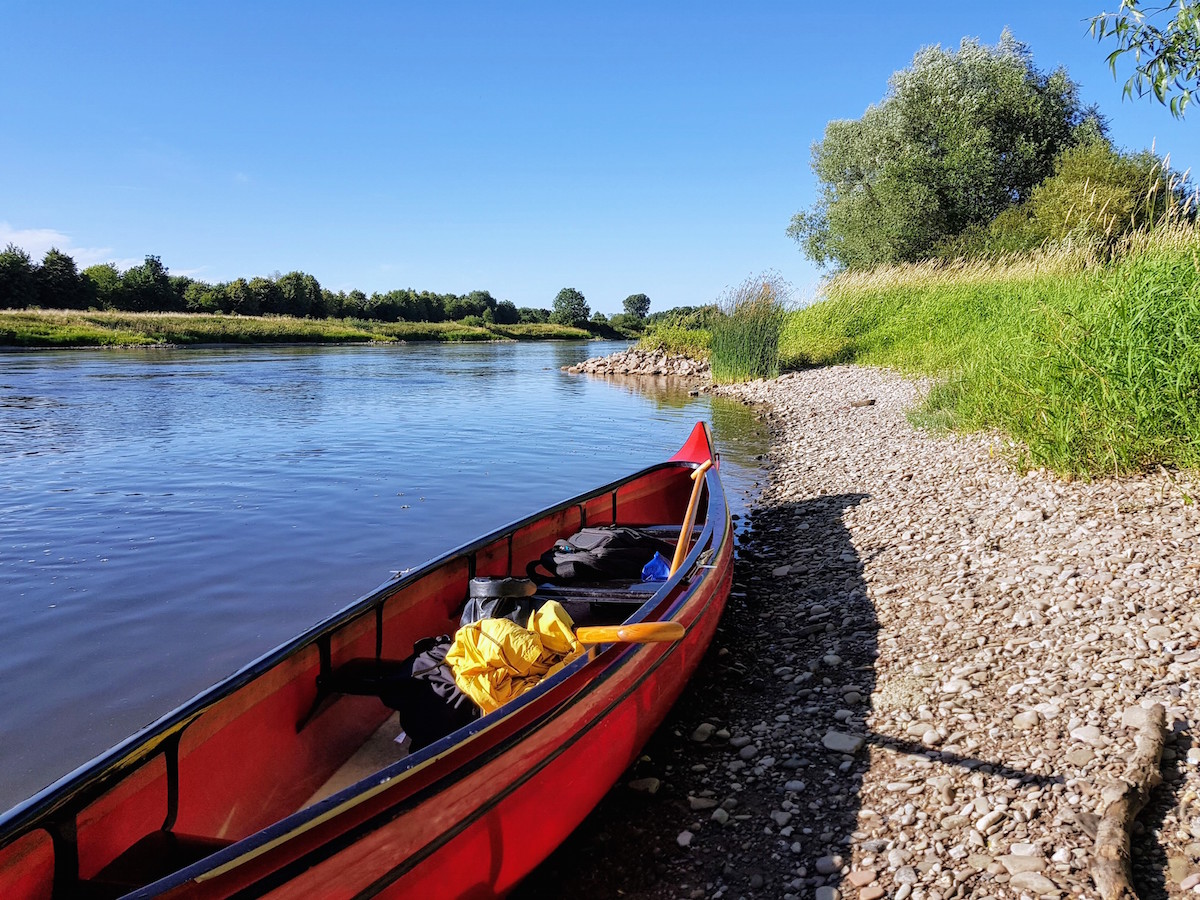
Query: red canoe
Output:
(272,784)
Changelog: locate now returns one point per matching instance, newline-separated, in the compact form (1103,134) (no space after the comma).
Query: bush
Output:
(1095,197)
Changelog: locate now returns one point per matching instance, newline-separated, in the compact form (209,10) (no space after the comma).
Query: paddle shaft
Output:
(633,633)
(685,533)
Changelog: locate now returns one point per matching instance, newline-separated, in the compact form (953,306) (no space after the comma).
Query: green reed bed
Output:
(1094,367)
(745,336)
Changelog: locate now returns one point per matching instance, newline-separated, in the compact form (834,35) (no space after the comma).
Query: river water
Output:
(167,516)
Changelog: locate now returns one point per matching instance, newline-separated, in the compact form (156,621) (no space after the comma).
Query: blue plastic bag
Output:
(658,569)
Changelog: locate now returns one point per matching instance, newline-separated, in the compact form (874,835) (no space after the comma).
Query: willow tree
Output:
(1163,42)
(959,137)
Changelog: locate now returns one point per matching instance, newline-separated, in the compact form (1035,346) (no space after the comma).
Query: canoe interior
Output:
(268,743)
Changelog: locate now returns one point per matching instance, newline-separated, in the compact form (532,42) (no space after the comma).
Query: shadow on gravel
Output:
(762,797)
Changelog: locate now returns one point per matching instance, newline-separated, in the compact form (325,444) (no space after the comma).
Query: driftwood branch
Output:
(1111,869)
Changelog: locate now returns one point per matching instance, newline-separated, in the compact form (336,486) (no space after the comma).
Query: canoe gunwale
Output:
(92,779)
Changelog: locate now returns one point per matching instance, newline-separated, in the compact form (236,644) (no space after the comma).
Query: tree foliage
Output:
(59,283)
(533,315)
(570,308)
(1166,60)
(18,280)
(149,287)
(637,305)
(1096,195)
(960,137)
(105,284)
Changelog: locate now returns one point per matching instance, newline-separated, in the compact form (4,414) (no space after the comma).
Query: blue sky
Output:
(518,148)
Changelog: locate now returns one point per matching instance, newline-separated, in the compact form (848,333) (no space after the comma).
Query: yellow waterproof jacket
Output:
(494,660)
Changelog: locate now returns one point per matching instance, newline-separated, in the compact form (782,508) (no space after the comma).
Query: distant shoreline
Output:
(91,329)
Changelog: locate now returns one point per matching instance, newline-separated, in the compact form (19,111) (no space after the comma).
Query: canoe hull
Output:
(225,777)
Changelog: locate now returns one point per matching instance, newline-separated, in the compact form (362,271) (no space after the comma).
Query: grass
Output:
(693,343)
(1093,366)
(70,328)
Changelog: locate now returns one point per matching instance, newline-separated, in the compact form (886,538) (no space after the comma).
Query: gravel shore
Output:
(930,669)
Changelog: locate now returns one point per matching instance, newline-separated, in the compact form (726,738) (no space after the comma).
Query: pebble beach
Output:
(932,667)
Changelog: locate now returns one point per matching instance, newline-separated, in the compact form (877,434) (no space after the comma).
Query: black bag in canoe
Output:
(598,554)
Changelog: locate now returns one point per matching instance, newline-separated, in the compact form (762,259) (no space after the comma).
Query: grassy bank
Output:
(69,328)
(1094,366)
(694,343)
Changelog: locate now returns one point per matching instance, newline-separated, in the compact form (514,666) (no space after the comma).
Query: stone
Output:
(826,892)
(1015,864)
(839,742)
(871,892)
(684,839)
(701,803)
(1088,734)
(991,822)
(827,865)
(1034,882)
(1026,720)
(646,785)
(1080,756)
(861,877)
(703,732)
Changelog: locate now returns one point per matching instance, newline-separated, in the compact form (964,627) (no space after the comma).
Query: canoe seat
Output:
(154,856)
(362,676)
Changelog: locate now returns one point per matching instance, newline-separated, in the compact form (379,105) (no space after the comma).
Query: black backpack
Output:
(423,692)
(598,554)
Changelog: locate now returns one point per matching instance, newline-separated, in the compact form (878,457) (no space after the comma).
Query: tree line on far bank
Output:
(57,283)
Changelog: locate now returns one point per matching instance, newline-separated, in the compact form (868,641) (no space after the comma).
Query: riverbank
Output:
(46,329)
(922,683)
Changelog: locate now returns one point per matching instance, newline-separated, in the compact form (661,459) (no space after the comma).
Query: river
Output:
(167,516)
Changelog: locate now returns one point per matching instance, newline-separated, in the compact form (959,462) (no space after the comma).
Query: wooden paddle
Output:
(633,633)
(685,533)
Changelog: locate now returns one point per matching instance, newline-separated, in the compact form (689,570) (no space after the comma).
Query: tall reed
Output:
(745,337)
